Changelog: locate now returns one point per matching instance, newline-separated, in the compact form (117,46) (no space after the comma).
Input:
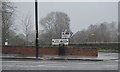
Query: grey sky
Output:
(82,14)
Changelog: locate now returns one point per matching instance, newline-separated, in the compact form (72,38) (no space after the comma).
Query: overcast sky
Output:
(81,14)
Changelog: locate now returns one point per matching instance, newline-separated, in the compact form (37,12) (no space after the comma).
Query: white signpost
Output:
(62,43)
(64,39)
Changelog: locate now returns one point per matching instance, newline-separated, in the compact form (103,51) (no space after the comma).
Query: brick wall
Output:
(82,51)
(19,50)
(30,51)
(48,51)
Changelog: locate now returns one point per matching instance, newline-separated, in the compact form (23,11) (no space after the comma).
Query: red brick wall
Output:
(30,51)
(48,51)
(82,51)
(19,50)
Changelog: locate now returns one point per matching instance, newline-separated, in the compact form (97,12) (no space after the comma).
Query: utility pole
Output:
(36,26)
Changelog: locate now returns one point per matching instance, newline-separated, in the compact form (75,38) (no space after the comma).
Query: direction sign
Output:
(59,41)
(6,43)
(66,35)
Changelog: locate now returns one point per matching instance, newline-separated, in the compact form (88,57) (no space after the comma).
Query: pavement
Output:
(104,61)
(102,56)
(14,64)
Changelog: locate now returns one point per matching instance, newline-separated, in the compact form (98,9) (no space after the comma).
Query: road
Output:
(59,65)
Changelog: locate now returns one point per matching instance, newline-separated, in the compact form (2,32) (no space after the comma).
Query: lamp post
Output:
(36,27)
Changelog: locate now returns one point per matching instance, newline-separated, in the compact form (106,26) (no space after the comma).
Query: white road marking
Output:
(19,66)
(30,61)
(18,61)
(117,60)
(111,65)
(86,63)
(32,66)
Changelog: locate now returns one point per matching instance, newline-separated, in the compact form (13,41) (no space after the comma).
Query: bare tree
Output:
(103,32)
(7,20)
(27,26)
(53,24)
